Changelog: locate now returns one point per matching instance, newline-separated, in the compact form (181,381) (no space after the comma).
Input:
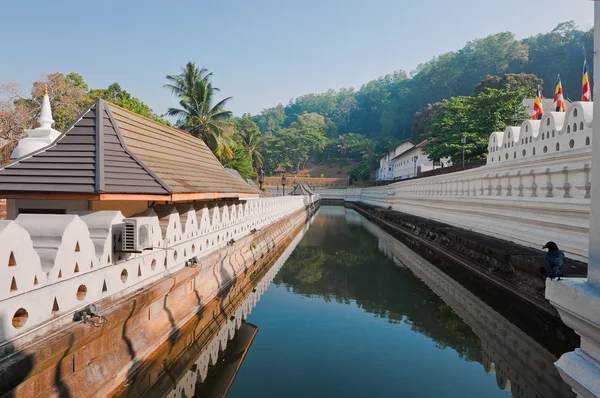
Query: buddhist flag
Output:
(586,90)
(559,101)
(537,106)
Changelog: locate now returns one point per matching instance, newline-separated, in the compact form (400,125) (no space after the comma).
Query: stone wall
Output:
(56,264)
(520,197)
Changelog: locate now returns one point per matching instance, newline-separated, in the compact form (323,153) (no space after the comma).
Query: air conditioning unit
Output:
(137,233)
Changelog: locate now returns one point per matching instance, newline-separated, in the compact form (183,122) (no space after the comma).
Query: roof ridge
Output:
(124,145)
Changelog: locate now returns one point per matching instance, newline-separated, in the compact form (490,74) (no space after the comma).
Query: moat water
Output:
(355,313)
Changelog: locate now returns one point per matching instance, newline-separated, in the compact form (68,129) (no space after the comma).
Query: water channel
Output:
(353,312)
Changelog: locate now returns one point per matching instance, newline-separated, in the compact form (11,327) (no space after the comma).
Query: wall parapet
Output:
(57,264)
(528,201)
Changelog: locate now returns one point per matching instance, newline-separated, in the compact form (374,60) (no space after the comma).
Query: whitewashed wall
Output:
(527,199)
(56,264)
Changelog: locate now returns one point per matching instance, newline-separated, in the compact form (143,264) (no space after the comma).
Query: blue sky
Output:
(262,52)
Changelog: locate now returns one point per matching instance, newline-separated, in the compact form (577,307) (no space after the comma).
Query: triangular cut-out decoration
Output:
(91,264)
(11,260)
(165,262)
(184,253)
(139,271)
(77,249)
(13,285)
(35,281)
(76,267)
(55,307)
(104,289)
(60,273)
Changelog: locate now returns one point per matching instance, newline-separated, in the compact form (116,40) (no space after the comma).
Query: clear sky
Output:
(262,52)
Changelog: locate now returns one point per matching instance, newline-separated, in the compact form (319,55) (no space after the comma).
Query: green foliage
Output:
(475,117)
(362,172)
(115,94)
(242,162)
(397,106)
(197,113)
(249,137)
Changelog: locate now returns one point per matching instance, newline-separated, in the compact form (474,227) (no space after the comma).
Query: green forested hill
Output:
(383,109)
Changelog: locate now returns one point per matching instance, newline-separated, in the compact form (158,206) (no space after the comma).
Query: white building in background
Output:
(407,160)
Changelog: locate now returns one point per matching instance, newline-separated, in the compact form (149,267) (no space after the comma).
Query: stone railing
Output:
(57,264)
(528,201)
(332,193)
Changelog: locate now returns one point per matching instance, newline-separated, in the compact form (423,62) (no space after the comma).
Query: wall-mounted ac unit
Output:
(137,234)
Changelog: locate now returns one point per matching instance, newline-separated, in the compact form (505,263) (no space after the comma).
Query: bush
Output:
(361,172)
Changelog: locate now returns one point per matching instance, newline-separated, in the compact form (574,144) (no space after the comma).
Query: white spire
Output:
(45,118)
(40,137)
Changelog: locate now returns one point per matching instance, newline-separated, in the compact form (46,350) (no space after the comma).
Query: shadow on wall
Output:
(20,366)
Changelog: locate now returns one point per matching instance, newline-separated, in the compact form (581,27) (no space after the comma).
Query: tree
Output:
(242,162)
(362,172)
(249,138)
(115,94)
(196,113)
(68,98)
(510,81)
(475,117)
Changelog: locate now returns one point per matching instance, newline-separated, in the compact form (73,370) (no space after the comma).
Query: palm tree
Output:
(196,113)
(250,138)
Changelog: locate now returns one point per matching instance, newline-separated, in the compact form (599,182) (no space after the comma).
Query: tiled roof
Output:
(110,150)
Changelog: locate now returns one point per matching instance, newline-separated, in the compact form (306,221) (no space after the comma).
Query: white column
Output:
(578,299)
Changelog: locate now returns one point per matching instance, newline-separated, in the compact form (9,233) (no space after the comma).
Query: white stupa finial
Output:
(40,137)
(45,118)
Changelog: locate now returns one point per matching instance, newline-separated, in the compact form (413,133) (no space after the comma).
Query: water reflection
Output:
(353,312)
(310,349)
(521,364)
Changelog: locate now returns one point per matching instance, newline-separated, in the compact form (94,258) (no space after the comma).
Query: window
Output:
(545,149)
(509,134)
(587,140)
(524,152)
(533,151)
(552,133)
(548,122)
(571,144)
(530,138)
(558,147)
(575,112)
(568,129)
(574,127)
(515,155)
(506,156)
(542,136)
(526,129)
(581,126)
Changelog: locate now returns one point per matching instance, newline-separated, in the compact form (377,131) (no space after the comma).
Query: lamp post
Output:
(283,182)
(415,158)
(261,178)
(463,141)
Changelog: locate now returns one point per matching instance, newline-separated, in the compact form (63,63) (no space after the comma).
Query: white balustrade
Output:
(518,196)
(56,264)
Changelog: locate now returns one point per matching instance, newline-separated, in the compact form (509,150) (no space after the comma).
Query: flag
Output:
(537,106)
(586,90)
(559,101)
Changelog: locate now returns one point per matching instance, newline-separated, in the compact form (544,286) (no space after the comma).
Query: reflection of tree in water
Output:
(346,265)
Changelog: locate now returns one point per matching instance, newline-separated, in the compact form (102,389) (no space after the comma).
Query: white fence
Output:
(55,264)
(524,199)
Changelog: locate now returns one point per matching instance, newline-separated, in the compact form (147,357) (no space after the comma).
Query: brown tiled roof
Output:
(110,150)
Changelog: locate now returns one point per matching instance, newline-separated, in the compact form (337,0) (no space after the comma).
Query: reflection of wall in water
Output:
(521,365)
(186,386)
